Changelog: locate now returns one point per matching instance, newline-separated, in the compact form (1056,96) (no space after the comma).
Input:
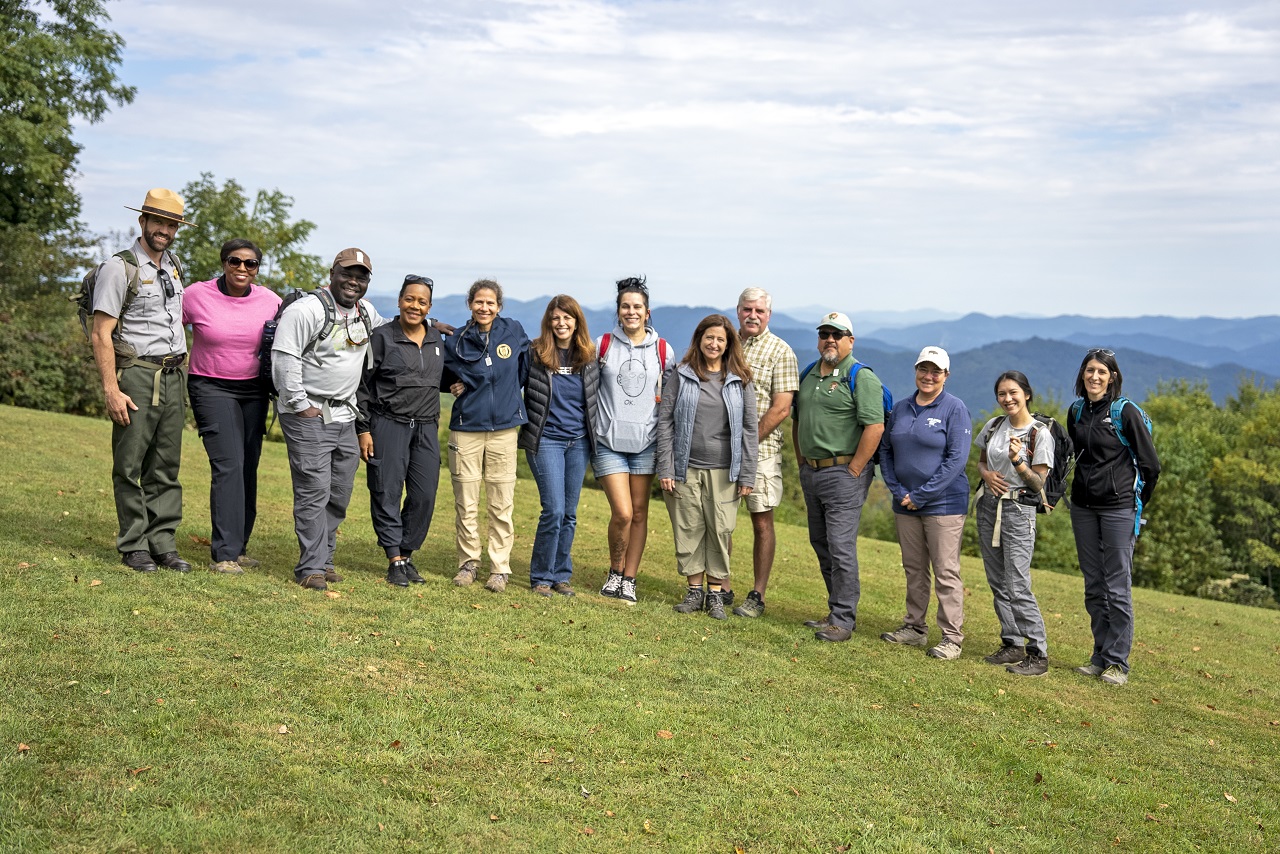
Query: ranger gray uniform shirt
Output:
(153,323)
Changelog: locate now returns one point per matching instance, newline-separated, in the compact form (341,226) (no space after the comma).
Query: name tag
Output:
(488,362)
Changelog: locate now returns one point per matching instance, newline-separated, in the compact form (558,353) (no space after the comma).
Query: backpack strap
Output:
(663,351)
(1077,409)
(330,317)
(605,340)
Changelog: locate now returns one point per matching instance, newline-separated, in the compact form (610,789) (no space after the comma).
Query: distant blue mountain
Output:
(1217,351)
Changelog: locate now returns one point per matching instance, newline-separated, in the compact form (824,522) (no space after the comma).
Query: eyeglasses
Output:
(361,278)
(834,334)
(1100,351)
(346,325)
(930,372)
(248,263)
(167,283)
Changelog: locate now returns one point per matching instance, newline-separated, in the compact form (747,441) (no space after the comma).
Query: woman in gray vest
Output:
(706,457)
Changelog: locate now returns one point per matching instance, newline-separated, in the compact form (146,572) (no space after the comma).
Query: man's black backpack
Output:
(330,317)
(1064,460)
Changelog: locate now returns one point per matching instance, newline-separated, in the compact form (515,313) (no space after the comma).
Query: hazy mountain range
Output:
(1218,351)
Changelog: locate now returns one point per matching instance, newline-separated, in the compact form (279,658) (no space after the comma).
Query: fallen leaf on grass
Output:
(1230,797)
(1085,723)
(665,733)
(282,729)
(24,565)
(1195,649)
(1150,817)
(609,813)
(395,745)
(1039,777)
(1273,723)
(518,606)
(876,706)
(201,541)
(97,582)
(476,605)
(381,826)
(136,771)
(648,828)
(159,701)
(332,594)
(738,849)
(492,817)
(794,791)
(586,831)
(24,748)
(1000,692)
(1155,701)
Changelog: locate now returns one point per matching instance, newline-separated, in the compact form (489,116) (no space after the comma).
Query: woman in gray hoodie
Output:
(633,360)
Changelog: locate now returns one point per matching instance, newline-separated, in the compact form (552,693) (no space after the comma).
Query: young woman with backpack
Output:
(633,360)
(1017,452)
(1116,473)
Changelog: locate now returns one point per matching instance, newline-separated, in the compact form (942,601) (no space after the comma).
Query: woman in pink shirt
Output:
(230,402)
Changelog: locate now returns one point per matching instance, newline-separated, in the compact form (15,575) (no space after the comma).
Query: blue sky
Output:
(1006,157)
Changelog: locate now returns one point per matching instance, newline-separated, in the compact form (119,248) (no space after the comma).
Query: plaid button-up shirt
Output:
(774,370)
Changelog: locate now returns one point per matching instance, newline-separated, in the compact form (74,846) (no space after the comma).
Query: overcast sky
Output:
(1102,158)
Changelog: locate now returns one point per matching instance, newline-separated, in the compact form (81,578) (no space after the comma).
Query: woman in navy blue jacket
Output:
(1105,507)
(487,365)
(922,456)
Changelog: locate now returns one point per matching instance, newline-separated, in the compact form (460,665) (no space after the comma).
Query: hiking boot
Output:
(1007,654)
(139,560)
(331,575)
(628,592)
(752,606)
(1089,669)
(496,583)
(947,650)
(694,599)
(726,597)
(908,636)
(612,585)
(543,590)
(172,560)
(1113,675)
(247,562)
(396,574)
(833,634)
(715,605)
(467,573)
(1032,665)
(564,588)
(411,573)
(822,623)
(312,582)
(227,567)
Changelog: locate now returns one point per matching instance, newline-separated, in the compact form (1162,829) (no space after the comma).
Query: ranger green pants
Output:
(145,459)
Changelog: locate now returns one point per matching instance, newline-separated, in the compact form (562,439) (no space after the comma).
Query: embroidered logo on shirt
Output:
(934,422)
(504,351)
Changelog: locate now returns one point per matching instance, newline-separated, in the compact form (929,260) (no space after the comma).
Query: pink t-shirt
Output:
(226,331)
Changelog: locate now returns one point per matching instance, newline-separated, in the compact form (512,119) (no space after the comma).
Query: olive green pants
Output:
(145,459)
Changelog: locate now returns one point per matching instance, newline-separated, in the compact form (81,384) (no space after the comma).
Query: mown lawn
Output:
(204,712)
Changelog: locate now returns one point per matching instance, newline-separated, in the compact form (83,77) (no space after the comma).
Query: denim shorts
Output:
(606,461)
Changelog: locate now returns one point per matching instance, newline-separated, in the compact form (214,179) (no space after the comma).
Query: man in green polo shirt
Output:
(837,423)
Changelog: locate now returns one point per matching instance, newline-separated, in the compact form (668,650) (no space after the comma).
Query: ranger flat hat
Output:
(162,203)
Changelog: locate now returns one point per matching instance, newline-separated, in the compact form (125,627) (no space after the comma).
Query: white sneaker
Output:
(947,650)
(628,592)
(612,585)
(1113,675)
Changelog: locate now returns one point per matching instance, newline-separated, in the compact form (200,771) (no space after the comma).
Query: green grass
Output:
(452,719)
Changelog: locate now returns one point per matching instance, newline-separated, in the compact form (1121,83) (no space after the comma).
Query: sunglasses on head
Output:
(247,263)
(833,334)
(1100,351)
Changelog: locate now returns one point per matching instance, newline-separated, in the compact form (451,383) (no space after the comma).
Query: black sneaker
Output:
(1032,665)
(1007,654)
(411,573)
(715,605)
(396,574)
(695,599)
(726,597)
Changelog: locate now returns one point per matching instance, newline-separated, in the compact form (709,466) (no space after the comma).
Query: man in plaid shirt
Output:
(776,378)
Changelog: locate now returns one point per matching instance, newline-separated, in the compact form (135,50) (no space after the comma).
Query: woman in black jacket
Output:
(1116,473)
(398,428)
(561,398)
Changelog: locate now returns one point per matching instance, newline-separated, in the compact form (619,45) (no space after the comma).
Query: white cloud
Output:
(924,148)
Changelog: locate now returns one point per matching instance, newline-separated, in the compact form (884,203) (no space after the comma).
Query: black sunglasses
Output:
(1100,351)
(834,334)
(419,280)
(249,263)
(166,283)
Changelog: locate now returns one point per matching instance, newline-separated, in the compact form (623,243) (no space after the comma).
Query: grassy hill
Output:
(203,712)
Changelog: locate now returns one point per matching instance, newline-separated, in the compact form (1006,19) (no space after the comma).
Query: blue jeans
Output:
(558,467)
